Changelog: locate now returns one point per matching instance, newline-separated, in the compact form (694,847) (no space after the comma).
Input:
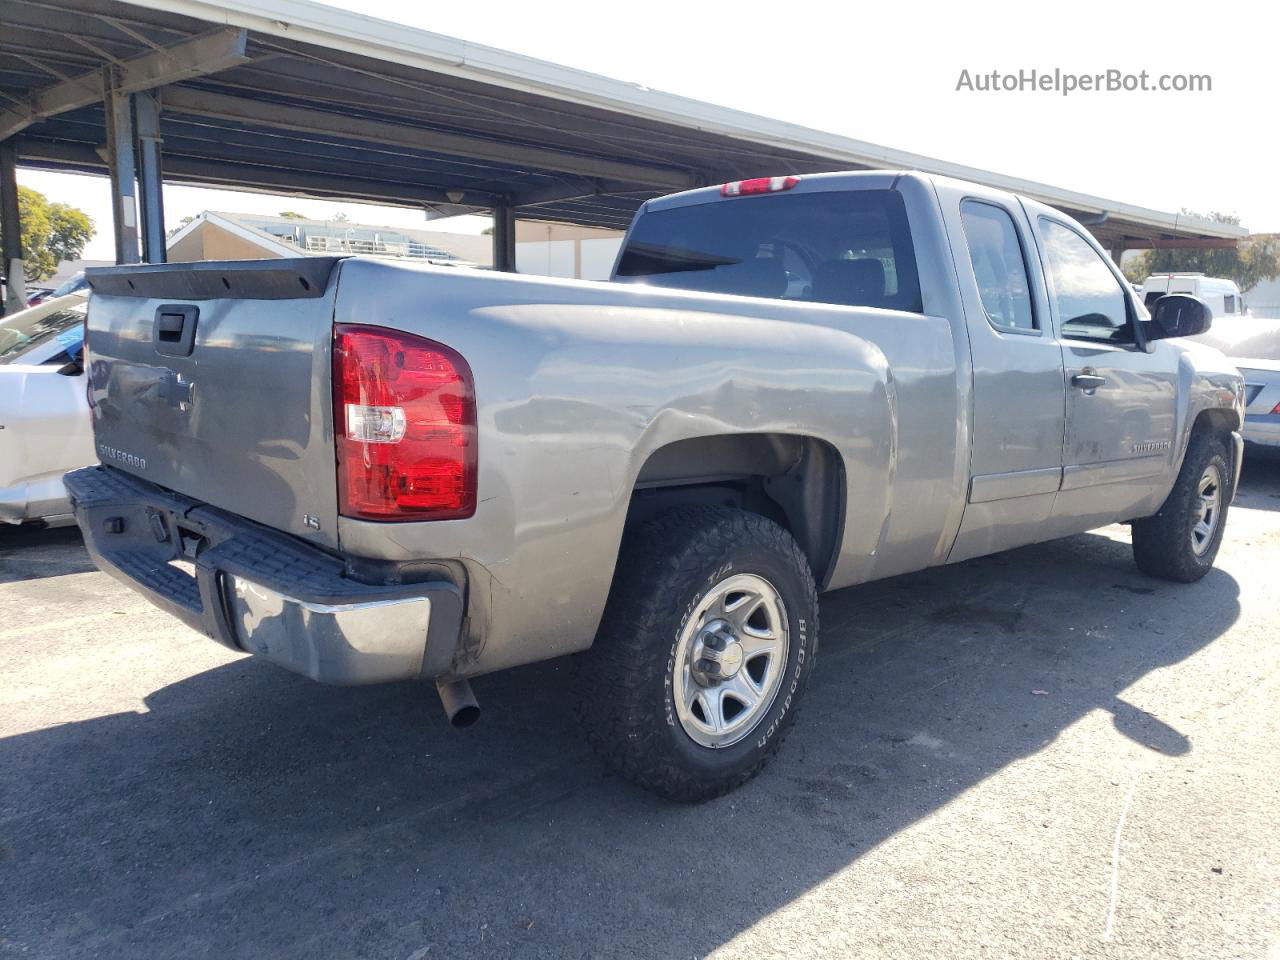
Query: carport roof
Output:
(316,101)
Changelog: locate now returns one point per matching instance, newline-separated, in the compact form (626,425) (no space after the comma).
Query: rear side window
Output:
(1090,300)
(998,265)
(1229,303)
(848,247)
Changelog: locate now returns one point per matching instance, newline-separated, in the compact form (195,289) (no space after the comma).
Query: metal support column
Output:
(11,231)
(504,238)
(120,163)
(146,110)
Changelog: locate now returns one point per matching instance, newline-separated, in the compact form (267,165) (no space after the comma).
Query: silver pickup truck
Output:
(366,471)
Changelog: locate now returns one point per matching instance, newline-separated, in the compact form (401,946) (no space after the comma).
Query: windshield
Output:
(22,333)
(849,247)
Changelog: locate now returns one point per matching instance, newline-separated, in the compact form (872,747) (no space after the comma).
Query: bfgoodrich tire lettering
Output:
(668,603)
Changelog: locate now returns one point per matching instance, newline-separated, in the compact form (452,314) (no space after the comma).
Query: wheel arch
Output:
(1218,420)
(797,480)
(1222,422)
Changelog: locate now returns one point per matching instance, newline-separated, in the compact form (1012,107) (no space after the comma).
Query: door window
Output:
(998,265)
(1090,301)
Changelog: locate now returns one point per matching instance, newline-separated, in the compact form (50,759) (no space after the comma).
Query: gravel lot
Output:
(1036,754)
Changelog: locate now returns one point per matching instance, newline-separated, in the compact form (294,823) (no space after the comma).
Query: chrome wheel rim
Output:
(1208,507)
(729,660)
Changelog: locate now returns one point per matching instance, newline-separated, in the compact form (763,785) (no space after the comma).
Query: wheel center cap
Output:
(717,655)
(731,660)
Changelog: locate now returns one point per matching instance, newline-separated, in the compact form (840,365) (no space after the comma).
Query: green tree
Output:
(1253,261)
(173,232)
(51,233)
(290,215)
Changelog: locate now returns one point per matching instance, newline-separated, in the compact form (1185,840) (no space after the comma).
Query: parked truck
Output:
(366,471)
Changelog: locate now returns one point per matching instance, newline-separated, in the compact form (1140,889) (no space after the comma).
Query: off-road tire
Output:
(665,568)
(1162,544)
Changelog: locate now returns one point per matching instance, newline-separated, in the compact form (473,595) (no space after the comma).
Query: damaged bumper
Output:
(260,591)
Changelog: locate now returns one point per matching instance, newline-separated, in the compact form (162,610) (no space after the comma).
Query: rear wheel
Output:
(1181,541)
(706,644)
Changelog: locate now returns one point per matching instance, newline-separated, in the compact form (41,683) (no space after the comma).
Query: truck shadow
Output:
(251,813)
(30,552)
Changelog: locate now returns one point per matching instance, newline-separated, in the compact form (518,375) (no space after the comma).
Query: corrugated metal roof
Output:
(336,104)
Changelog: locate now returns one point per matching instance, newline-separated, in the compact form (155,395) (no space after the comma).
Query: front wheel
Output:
(1181,541)
(704,650)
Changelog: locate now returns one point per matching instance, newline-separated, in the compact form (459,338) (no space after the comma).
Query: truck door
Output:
(1018,416)
(1121,396)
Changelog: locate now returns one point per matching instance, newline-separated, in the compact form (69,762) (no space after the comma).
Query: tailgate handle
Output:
(175,329)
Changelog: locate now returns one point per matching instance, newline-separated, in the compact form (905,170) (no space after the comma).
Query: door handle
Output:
(1088,381)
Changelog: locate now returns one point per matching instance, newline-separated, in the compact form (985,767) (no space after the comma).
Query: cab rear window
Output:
(848,247)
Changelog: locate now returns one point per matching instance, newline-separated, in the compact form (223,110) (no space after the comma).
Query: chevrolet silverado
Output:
(368,471)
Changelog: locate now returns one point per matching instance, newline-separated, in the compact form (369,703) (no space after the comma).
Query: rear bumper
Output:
(263,592)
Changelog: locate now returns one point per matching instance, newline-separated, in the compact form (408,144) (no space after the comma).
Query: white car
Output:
(44,424)
(1253,345)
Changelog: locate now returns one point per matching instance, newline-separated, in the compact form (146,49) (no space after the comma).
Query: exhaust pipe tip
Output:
(459,702)
(465,716)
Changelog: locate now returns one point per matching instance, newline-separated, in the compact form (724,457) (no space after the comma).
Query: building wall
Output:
(465,246)
(597,257)
(69,268)
(211,242)
(1264,299)
(565,250)
(547,258)
(470,247)
(542,249)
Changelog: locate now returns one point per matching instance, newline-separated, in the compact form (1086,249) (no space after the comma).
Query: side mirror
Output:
(1178,315)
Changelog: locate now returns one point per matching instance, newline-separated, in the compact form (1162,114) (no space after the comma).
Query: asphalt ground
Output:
(1036,754)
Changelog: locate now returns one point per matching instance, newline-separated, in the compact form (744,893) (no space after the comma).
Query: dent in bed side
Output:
(857,420)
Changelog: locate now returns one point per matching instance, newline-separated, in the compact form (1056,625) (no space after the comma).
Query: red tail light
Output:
(405,422)
(744,188)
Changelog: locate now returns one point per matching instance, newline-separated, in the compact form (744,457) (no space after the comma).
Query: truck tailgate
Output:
(213,379)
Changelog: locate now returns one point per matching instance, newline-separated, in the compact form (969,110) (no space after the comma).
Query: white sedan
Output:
(44,424)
